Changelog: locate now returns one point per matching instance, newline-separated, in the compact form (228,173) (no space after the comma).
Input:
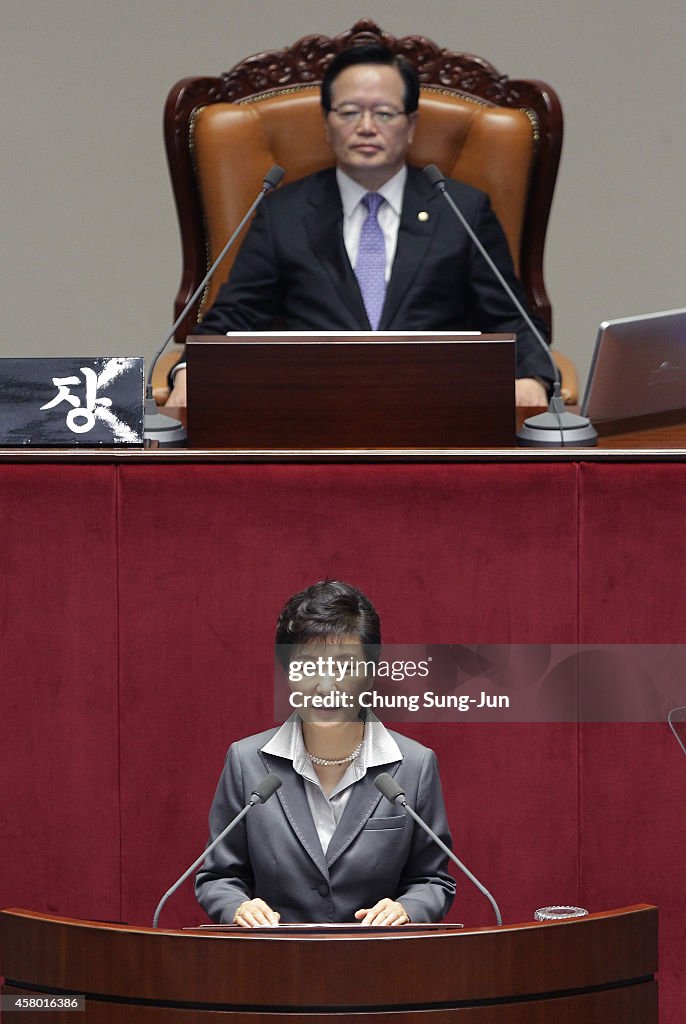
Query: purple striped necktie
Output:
(370,268)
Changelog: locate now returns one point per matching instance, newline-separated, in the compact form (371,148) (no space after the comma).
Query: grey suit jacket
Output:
(293,269)
(375,852)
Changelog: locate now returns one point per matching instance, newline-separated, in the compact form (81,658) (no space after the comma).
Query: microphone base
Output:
(160,427)
(557,428)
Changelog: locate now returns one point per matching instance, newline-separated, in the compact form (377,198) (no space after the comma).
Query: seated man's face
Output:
(368,150)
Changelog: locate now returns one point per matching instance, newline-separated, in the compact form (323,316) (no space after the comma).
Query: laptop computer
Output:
(347,390)
(638,368)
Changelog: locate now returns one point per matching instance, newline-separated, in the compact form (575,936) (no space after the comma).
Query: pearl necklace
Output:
(329,762)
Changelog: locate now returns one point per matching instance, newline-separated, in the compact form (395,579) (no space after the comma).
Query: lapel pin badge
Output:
(422,216)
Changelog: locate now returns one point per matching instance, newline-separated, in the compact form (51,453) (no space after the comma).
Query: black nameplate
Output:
(91,402)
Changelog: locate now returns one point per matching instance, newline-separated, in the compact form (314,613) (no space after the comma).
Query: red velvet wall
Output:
(59,730)
(632,589)
(137,610)
(439,551)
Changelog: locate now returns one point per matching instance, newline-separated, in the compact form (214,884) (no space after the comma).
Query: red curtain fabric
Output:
(632,572)
(481,554)
(59,739)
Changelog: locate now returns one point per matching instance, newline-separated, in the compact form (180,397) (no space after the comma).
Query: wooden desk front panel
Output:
(585,962)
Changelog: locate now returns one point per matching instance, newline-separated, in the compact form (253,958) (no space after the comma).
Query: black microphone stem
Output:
(159,426)
(556,427)
(271,180)
(196,863)
(454,859)
(260,795)
(395,793)
(438,181)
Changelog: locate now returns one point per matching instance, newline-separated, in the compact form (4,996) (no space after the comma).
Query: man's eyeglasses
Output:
(381,116)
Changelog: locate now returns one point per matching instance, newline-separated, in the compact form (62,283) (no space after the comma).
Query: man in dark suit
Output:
(369,244)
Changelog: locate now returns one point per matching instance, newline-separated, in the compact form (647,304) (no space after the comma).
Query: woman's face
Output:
(326,678)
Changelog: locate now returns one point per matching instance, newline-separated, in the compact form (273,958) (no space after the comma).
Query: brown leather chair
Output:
(223,134)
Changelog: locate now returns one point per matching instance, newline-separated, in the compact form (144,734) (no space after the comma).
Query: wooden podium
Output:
(337,390)
(592,970)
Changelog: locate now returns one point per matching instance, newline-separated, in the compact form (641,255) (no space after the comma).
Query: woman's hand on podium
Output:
(385,912)
(256,914)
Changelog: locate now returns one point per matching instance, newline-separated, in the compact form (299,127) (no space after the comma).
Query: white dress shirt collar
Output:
(352,193)
(378,746)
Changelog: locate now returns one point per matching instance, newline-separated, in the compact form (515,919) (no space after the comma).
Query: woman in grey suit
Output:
(328,847)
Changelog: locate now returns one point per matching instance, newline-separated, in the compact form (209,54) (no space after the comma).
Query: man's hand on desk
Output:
(528,391)
(177,396)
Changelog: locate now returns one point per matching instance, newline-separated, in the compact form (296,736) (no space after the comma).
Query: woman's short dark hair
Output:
(372,53)
(328,609)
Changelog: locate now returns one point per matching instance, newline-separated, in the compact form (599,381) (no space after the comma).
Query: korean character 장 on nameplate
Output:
(88,401)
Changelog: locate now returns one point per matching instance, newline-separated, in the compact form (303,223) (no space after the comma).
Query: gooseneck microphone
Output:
(557,427)
(670,722)
(260,794)
(394,793)
(158,426)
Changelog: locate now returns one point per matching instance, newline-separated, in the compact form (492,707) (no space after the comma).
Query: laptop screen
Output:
(638,367)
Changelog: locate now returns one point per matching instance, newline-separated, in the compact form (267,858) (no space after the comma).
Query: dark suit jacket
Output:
(376,850)
(293,269)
